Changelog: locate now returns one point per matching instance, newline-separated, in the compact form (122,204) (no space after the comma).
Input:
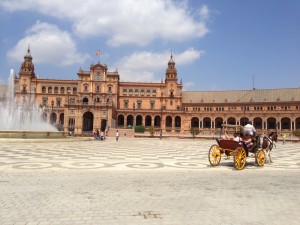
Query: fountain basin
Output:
(32,134)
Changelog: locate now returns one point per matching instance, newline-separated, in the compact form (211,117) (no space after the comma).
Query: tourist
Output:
(95,134)
(248,133)
(283,138)
(225,136)
(117,135)
(236,137)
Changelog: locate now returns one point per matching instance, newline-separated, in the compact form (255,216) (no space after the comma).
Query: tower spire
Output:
(171,73)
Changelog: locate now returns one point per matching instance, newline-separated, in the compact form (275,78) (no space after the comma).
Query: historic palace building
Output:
(97,100)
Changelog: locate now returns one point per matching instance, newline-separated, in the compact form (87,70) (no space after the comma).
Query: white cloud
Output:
(49,45)
(123,22)
(187,85)
(142,66)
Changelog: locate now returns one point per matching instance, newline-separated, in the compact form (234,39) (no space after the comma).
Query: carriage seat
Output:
(229,144)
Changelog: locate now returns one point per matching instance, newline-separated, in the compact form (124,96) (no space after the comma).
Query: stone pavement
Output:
(143,181)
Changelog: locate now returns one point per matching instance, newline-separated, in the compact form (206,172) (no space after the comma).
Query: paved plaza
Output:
(143,181)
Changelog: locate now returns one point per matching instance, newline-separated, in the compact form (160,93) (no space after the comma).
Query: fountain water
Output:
(23,118)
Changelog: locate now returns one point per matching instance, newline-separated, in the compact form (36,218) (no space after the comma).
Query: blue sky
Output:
(216,44)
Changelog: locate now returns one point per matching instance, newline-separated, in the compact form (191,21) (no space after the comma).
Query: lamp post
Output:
(52,103)
(161,110)
(106,117)
(133,115)
(68,94)
(244,115)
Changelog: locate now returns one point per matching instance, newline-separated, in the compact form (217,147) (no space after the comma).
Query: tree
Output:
(151,131)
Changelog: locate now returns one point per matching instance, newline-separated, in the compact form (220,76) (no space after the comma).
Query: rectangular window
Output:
(139,105)
(45,101)
(152,105)
(126,104)
(58,102)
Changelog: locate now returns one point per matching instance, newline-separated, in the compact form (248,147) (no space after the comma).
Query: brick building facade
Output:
(97,100)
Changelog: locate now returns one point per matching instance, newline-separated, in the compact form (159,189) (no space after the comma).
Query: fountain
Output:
(23,119)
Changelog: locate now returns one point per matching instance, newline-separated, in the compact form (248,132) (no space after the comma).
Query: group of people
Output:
(99,136)
(246,137)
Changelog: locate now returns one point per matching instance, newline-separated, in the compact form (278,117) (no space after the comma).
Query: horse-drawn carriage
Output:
(238,150)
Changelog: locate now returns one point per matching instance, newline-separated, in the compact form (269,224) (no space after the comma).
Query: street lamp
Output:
(68,120)
(52,103)
(161,110)
(106,116)
(133,115)
(244,115)
(68,94)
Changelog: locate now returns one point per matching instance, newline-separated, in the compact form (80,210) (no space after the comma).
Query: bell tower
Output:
(26,82)
(171,73)
(27,68)
(173,89)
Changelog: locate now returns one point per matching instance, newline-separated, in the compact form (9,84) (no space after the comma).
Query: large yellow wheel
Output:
(260,157)
(214,155)
(239,158)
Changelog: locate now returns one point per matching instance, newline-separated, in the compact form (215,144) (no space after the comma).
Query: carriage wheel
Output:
(214,155)
(240,158)
(260,157)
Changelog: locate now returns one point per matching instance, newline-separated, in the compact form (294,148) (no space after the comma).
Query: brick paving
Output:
(143,181)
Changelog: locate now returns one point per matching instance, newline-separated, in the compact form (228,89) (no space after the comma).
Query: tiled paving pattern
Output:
(141,182)
(128,154)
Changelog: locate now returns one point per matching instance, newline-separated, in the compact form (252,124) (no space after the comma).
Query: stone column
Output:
(125,121)
(173,125)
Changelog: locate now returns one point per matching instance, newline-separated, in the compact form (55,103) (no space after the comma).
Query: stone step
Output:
(129,132)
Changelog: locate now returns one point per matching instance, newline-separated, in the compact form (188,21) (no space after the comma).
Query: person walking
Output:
(95,134)
(117,135)
(283,138)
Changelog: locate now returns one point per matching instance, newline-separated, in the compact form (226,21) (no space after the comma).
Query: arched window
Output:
(154,93)
(62,90)
(49,90)
(85,101)
(124,92)
(56,90)
(142,92)
(148,93)
(43,89)
(136,93)
(130,92)
(74,90)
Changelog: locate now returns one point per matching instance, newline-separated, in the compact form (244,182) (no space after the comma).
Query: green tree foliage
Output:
(139,129)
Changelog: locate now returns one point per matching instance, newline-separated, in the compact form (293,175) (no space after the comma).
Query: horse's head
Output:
(273,136)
